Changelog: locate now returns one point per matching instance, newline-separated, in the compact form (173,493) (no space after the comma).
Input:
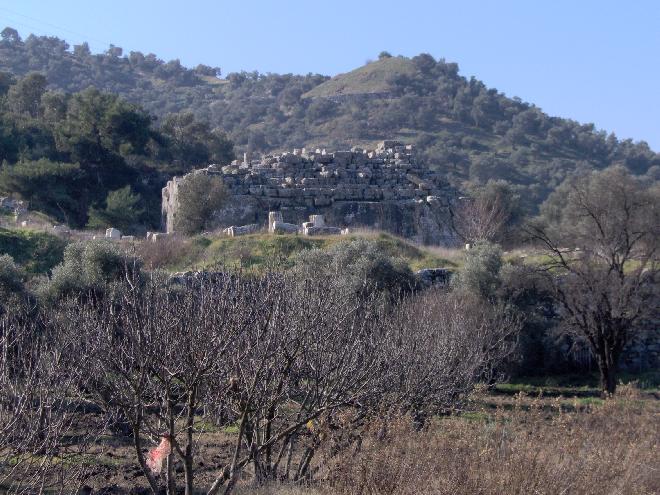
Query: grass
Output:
(261,252)
(579,382)
(37,252)
(539,445)
(371,78)
(501,443)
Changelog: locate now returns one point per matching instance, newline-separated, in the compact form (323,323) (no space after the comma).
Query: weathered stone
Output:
(284,228)
(274,217)
(61,230)
(112,233)
(160,236)
(317,220)
(324,230)
(235,231)
(329,183)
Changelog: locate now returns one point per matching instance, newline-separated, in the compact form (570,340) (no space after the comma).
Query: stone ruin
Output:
(386,189)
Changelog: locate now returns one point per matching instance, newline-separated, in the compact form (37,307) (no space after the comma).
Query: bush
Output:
(362,265)
(200,195)
(11,279)
(36,252)
(481,272)
(87,267)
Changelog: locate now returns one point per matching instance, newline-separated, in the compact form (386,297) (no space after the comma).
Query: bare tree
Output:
(157,354)
(40,406)
(301,364)
(315,354)
(487,215)
(601,235)
(439,345)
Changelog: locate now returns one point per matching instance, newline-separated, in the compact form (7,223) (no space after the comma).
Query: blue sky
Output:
(593,61)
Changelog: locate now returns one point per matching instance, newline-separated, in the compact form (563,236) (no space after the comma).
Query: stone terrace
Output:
(339,184)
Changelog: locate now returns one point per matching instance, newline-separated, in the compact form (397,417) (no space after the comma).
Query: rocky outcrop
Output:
(386,189)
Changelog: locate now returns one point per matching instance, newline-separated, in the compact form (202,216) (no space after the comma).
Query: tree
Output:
(480,274)
(25,95)
(488,215)
(122,210)
(49,186)
(600,233)
(199,196)
(192,143)
(10,36)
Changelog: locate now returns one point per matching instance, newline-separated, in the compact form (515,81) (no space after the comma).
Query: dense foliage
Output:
(469,131)
(93,157)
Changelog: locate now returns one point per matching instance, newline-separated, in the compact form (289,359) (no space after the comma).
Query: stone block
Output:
(273,218)
(112,233)
(324,230)
(284,228)
(317,220)
(235,231)
(160,236)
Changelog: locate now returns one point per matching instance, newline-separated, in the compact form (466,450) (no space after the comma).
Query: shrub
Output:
(87,266)
(11,279)
(362,265)
(36,252)
(480,273)
(200,195)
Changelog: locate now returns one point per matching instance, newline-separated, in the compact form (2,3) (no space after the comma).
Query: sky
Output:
(591,61)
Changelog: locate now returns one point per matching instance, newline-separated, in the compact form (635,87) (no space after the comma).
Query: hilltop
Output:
(463,129)
(373,79)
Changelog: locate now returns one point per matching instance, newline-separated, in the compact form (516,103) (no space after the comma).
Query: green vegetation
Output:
(36,252)
(88,267)
(469,132)
(261,252)
(374,77)
(93,158)
(199,196)
(577,383)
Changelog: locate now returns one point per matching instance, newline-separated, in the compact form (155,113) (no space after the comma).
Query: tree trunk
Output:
(607,377)
(188,458)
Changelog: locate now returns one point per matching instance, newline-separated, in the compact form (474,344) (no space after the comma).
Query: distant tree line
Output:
(92,158)
(465,129)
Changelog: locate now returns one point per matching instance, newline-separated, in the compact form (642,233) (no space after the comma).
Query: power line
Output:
(84,36)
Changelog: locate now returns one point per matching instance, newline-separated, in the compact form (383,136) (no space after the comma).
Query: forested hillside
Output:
(465,129)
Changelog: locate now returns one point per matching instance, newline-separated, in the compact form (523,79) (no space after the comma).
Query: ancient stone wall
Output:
(385,188)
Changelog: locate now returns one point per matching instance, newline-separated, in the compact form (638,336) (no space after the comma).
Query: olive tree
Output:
(600,234)
(200,195)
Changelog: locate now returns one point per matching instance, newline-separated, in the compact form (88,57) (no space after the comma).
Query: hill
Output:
(373,79)
(462,128)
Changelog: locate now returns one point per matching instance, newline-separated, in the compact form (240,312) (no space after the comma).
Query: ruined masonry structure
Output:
(385,189)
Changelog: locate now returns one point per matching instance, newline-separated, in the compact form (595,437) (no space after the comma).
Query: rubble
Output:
(385,188)
(235,231)
(113,234)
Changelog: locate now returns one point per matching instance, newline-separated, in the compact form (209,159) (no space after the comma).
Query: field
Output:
(523,437)
(260,252)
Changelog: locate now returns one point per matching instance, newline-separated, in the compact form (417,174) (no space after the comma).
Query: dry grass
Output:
(534,449)
(610,450)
